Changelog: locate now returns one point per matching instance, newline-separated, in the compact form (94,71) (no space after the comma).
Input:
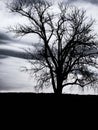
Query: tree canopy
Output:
(68,49)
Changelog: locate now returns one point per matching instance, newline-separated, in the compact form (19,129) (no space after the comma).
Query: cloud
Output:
(13,53)
(4,38)
(25,2)
(91,1)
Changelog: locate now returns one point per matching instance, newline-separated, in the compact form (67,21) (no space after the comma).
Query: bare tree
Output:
(68,47)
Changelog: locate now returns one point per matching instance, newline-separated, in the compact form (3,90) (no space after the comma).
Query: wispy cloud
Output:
(4,38)
(91,1)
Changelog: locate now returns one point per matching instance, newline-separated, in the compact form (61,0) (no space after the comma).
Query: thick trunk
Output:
(59,90)
(59,85)
(59,81)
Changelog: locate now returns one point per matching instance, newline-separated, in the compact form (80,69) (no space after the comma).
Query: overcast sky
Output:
(8,19)
(91,1)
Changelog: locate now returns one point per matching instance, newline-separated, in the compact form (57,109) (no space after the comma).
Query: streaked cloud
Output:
(4,38)
(91,1)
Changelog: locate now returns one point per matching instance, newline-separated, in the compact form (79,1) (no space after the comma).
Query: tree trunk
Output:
(59,90)
(59,85)
(59,81)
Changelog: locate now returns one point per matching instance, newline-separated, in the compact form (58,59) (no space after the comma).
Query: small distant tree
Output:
(68,48)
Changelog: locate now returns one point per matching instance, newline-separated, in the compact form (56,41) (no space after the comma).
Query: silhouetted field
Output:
(50,97)
(51,105)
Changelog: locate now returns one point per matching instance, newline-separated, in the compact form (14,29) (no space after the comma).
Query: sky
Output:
(9,19)
(91,1)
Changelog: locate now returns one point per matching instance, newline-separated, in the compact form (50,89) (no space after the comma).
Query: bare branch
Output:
(68,44)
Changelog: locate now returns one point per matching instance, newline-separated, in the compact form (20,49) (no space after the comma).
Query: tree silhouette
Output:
(68,48)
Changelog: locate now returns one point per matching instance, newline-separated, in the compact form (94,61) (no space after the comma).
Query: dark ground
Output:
(40,107)
(49,98)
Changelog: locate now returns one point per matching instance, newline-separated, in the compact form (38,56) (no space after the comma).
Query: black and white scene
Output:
(49,46)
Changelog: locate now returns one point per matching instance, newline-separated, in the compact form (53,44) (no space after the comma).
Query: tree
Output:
(68,48)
